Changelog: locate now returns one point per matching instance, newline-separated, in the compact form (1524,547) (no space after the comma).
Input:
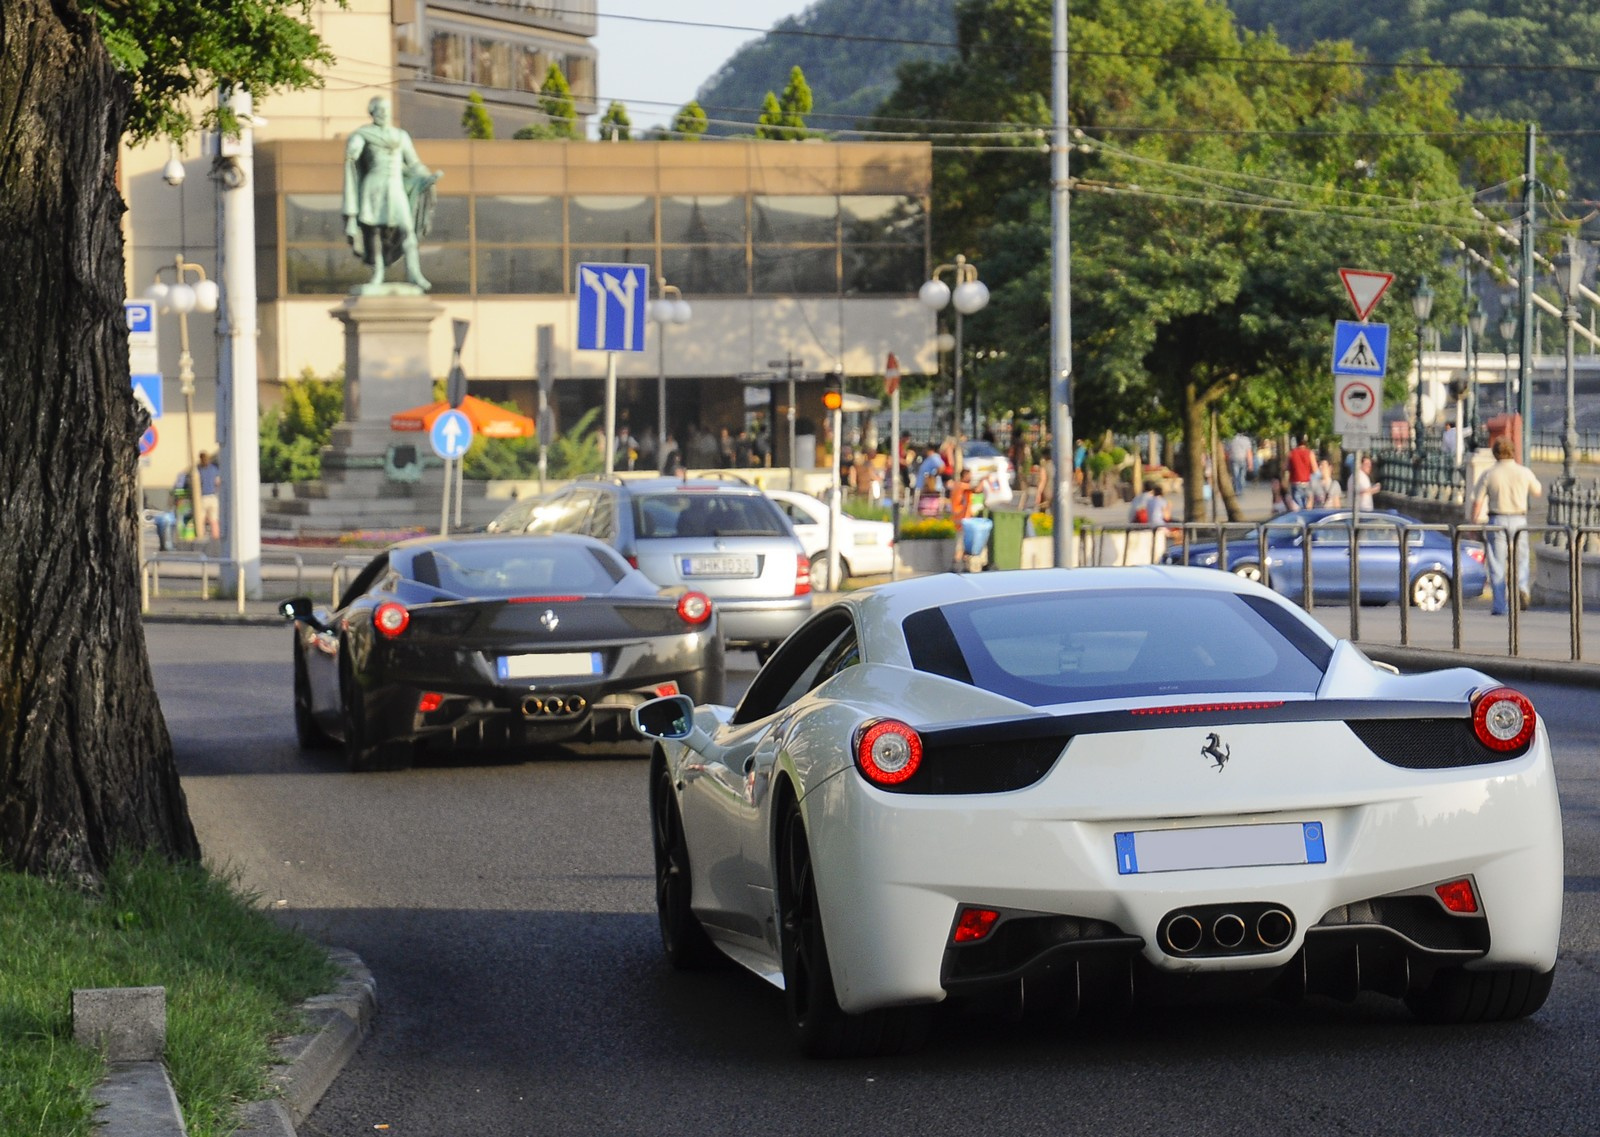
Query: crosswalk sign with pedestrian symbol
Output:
(1360,349)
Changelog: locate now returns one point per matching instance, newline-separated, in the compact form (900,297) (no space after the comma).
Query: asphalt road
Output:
(506,909)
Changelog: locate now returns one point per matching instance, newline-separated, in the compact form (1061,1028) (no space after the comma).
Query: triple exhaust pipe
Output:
(1226,930)
(553,706)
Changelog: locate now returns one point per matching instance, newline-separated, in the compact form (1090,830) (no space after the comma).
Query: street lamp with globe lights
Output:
(1477,321)
(1508,328)
(668,308)
(1421,308)
(968,296)
(182,297)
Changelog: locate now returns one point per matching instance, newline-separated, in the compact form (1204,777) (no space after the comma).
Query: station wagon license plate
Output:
(717,566)
(549,665)
(1221,847)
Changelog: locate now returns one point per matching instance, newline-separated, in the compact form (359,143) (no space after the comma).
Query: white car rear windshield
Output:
(1053,647)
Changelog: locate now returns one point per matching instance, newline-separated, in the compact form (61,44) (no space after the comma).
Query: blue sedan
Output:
(1430,575)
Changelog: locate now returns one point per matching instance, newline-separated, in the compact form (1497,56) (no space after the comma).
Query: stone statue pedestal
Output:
(386,370)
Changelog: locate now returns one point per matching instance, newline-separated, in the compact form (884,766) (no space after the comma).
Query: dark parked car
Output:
(724,538)
(497,641)
(1430,574)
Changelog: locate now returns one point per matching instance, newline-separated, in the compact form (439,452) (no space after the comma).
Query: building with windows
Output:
(792,254)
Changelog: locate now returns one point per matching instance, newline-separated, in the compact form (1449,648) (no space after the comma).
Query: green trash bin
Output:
(1010,527)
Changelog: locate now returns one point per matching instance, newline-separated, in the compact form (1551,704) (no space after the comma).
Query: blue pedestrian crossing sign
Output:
(611,301)
(1360,349)
(147,392)
(451,435)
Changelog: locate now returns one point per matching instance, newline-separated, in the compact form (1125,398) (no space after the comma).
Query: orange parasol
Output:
(486,418)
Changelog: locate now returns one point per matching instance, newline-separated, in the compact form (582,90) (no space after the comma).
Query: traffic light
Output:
(833,390)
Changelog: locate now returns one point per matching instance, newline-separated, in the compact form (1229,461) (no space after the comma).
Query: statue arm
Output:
(350,204)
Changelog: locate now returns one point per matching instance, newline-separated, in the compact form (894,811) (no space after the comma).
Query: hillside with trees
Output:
(849,51)
(1523,60)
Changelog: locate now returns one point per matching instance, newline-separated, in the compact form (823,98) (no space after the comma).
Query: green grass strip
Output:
(233,978)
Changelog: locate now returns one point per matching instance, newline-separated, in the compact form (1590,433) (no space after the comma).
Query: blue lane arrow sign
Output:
(451,435)
(611,307)
(1360,349)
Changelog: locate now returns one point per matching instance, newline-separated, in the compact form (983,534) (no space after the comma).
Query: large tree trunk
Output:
(86,765)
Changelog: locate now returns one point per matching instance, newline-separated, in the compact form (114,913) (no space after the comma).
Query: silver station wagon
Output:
(723,538)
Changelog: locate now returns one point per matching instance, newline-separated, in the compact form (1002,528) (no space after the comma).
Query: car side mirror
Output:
(670,718)
(301,608)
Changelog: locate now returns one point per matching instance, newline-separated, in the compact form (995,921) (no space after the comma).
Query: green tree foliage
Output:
(294,432)
(180,53)
(689,123)
(783,117)
(1221,183)
(1519,60)
(615,125)
(475,120)
(850,74)
(560,111)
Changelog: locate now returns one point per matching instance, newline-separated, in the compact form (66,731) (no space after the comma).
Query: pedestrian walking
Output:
(1500,499)
(960,510)
(1362,487)
(1241,460)
(1302,464)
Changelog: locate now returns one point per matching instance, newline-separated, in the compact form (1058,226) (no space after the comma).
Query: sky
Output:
(655,66)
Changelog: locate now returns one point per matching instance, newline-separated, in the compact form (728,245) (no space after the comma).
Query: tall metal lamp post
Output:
(969,295)
(668,308)
(1421,308)
(1477,321)
(182,297)
(1574,265)
(1508,328)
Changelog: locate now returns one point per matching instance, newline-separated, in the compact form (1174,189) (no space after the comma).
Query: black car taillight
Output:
(391,618)
(694,607)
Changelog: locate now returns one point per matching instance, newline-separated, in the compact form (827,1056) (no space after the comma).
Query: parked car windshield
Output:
(707,514)
(1054,647)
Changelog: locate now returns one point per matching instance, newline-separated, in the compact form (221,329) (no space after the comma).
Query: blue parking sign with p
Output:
(611,301)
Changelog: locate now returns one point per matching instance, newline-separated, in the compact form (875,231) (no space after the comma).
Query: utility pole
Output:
(238,430)
(1060,296)
(1530,188)
(790,366)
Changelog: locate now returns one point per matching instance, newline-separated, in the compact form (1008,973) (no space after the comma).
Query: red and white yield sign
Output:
(891,374)
(1365,288)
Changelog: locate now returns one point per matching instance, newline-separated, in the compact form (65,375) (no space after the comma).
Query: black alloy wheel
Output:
(823,1029)
(310,735)
(360,750)
(683,938)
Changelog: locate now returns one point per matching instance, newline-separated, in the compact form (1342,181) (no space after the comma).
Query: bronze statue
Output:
(388,197)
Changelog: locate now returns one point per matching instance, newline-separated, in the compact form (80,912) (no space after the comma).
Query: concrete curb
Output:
(340,1021)
(136,1098)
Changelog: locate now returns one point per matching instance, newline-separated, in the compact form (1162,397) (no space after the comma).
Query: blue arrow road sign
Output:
(147,392)
(611,307)
(1360,349)
(451,435)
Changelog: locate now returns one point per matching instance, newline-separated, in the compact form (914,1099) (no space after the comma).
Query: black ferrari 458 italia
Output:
(494,641)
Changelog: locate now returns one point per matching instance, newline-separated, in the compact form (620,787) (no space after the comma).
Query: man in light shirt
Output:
(1500,499)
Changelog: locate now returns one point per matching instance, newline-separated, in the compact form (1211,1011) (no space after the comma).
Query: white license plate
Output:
(717,566)
(1221,847)
(550,665)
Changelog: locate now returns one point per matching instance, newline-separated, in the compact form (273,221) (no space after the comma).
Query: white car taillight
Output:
(1503,719)
(802,575)
(888,752)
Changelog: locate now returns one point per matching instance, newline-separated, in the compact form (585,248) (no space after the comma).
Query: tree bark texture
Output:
(86,764)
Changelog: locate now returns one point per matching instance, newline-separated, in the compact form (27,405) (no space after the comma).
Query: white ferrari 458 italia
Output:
(1089,786)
